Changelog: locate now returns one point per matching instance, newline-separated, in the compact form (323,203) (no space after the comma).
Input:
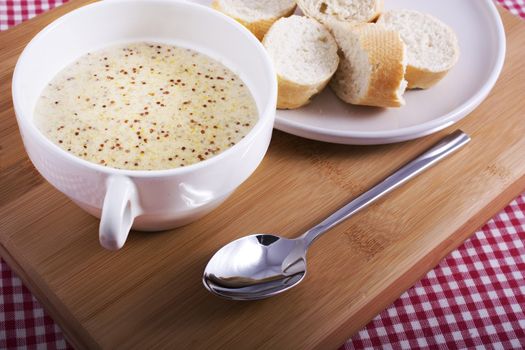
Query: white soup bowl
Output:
(144,200)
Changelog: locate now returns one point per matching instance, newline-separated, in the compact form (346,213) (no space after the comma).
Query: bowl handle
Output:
(120,208)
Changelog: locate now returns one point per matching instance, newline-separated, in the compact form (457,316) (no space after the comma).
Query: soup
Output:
(146,106)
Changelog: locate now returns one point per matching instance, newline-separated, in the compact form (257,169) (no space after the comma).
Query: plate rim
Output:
(414,131)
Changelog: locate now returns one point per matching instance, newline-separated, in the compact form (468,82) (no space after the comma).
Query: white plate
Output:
(482,43)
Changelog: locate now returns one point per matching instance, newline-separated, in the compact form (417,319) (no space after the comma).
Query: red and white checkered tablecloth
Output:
(475,298)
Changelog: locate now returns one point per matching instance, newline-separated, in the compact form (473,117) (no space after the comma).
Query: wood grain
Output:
(150,295)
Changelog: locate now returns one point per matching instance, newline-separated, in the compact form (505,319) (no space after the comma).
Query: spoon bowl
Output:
(255,267)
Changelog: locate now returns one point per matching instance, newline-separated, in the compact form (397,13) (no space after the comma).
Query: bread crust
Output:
(418,78)
(258,28)
(386,57)
(292,95)
(386,52)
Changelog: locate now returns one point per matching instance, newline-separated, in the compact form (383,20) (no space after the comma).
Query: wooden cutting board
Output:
(150,295)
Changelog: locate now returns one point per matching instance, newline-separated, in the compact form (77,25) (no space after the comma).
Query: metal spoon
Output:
(263,265)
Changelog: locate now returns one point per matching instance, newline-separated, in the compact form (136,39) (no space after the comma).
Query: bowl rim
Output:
(267,114)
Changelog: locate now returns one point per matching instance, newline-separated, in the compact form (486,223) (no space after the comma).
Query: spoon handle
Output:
(440,150)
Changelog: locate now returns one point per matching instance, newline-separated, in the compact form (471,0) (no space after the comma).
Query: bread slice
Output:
(432,46)
(256,15)
(342,10)
(372,67)
(305,58)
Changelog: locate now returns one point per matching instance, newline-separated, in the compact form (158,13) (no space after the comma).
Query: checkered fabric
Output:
(517,7)
(23,322)
(474,299)
(13,12)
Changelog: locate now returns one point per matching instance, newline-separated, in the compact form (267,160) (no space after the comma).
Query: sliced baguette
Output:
(305,58)
(341,10)
(432,46)
(256,15)
(372,67)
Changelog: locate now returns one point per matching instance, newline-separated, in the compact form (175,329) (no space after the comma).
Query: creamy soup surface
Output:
(146,106)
